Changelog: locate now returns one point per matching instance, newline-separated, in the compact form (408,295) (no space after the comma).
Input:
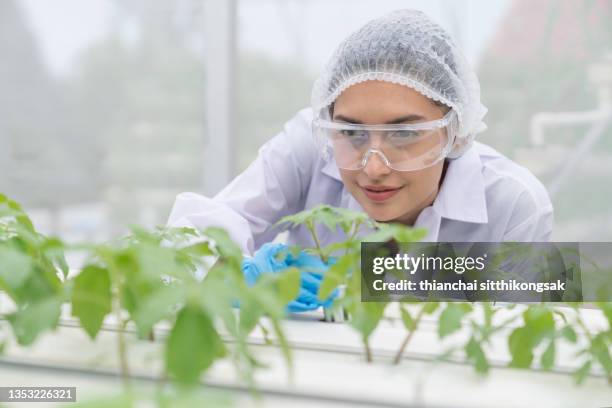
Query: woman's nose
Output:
(375,166)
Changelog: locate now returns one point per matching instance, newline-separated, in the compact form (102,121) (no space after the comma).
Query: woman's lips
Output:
(379,193)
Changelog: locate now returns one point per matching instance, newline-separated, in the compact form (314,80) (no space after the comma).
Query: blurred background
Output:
(109,108)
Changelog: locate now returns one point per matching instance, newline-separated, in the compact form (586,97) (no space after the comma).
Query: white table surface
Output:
(329,366)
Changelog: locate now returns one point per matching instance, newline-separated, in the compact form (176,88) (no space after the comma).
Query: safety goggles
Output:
(402,147)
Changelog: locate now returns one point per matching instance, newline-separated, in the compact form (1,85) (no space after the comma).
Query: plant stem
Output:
(313,232)
(353,234)
(368,351)
(587,332)
(122,349)
(121,324)
(417,319)
(266,334)
(583,326)
(355,230)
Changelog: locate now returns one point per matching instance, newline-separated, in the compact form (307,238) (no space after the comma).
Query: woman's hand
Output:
(311,268)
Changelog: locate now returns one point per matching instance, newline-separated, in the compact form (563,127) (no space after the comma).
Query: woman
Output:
(390,132)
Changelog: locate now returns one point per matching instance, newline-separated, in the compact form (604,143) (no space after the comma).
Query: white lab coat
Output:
(484,197)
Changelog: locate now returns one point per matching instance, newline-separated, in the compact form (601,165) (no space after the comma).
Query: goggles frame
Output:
(321,123)
(448,120)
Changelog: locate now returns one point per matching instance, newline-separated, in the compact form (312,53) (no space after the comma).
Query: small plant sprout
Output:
(149,277)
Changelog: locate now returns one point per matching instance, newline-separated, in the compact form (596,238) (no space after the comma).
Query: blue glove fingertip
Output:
(264,261)
(296,307)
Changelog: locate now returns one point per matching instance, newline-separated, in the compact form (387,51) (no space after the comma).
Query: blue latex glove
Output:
(311,274)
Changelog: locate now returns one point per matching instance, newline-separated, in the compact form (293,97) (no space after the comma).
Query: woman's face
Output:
(386,194)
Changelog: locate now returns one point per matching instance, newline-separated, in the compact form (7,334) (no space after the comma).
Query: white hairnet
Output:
(406,47)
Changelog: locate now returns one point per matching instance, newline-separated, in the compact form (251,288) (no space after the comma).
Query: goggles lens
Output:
(405,147)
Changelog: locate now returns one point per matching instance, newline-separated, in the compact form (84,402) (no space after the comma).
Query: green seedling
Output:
(163,275)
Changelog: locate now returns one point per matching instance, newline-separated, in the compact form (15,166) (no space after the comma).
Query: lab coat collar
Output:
(331,169)
(461,196)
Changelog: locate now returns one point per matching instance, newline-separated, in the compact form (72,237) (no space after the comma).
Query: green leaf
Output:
(548,357)
(91,298)
(143,235)
(327,217)
(224,244)
(28,323)
(366,316)
(430,307)
(410,234)
(199,249)
(15,268)
(331,217)
(192,346)
(335,276)
(606,309)
(284,344)
(288,283)
(540,322)
(250,314)
(295,219)
(53,248)
(20,216)
(126,264)
(129,299)
(156,306)
(41,283)
(399,232)
(476,355)
(600,349)
(217,297)
(569,334)
(407,318)
(267,298)
(581,374)
(520,344)
(155,261)
(450,318)
(273,291)
(352,216)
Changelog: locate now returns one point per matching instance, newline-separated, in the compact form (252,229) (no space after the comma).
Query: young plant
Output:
(345,272)
(32,268)
(538,330)
(140,280)
(167,275)
(149,277)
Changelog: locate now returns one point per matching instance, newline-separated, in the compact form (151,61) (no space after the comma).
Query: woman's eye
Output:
(355,136)
(403,137)
(349,132)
